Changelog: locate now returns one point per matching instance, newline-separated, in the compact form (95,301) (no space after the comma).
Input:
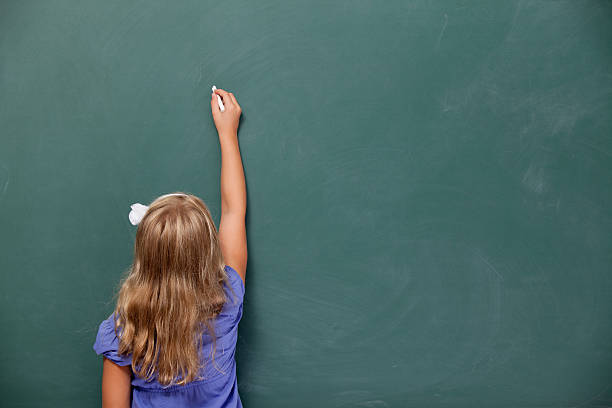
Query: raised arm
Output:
(232,229)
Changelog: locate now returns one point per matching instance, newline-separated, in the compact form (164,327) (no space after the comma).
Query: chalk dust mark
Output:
(516,13)
(489,265)
(4,180)
(445,105)
(597,148)
(373,404)
(442,31)
(534,179)
(593,398)
(199,76)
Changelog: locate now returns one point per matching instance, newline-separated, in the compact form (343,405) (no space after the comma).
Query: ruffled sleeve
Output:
(107,343)
(236,282)
(232,310)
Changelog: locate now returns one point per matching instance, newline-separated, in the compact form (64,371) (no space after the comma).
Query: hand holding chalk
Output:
(219,101)
(226,112)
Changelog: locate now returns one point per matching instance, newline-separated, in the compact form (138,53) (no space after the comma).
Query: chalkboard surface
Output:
(429,191)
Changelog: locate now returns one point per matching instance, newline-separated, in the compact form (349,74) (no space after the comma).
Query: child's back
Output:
(218,388)
(171,339)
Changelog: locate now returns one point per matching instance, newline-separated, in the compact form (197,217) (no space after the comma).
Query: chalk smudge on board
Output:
(357,398)
(373,404)
(491,267)
(534,179)
(442,31)
(4,180)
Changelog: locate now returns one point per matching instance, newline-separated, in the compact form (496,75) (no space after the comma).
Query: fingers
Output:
(227,97)
(214,104)
(223,94)
(234,99)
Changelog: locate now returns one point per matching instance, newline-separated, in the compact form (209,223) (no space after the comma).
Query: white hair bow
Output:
(138,210)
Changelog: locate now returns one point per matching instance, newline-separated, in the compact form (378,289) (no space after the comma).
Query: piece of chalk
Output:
(219,101)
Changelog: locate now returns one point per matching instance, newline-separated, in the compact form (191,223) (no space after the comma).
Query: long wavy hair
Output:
(172,292)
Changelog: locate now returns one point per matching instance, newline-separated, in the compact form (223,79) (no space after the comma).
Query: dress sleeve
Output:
(236,282)
(232,310)
(107,343)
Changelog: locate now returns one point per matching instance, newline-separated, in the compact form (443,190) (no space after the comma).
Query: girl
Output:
(171,339)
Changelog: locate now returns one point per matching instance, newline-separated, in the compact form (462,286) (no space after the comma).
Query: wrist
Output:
(228,134)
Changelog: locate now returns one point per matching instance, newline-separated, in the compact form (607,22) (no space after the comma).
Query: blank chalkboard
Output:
(429,191)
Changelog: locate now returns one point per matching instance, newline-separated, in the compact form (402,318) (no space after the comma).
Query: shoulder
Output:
(107,342)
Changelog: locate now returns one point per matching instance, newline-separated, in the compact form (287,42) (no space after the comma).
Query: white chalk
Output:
(219,101)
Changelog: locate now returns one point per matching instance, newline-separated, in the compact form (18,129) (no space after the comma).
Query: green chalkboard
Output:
(429,191)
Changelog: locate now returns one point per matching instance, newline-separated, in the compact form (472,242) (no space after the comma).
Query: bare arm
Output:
(232,229)
(116,385)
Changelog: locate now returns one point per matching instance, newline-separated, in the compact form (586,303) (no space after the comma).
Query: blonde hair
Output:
(172,291)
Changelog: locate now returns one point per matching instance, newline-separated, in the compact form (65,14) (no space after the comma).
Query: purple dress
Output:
(219,388)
